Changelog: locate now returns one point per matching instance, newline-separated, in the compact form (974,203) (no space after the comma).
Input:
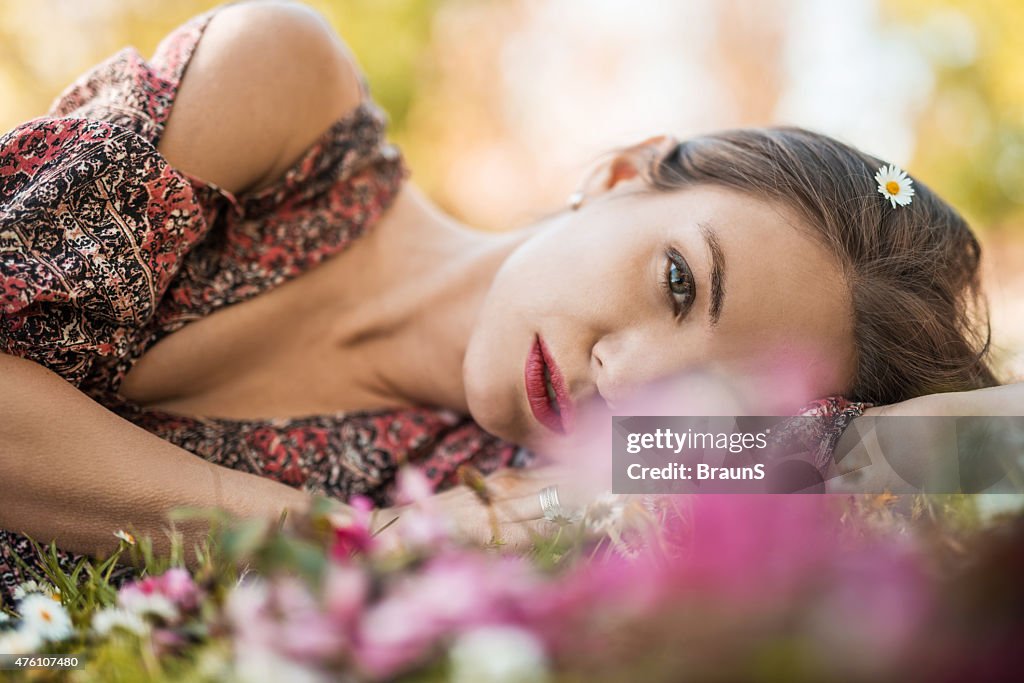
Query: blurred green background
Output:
(500,105)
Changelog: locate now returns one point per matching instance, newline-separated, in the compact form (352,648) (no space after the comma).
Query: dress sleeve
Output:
(816,429)
(93,224)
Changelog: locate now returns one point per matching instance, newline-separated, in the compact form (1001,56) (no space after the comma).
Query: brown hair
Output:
(912,271)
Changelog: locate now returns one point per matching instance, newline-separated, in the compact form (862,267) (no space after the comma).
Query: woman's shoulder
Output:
(263,84)
(98,213)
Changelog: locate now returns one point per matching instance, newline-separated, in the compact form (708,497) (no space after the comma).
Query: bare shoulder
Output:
(265,81)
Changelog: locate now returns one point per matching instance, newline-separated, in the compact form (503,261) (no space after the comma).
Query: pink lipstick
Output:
(546,391)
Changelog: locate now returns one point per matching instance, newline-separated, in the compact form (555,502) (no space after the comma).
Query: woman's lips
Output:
(546,391)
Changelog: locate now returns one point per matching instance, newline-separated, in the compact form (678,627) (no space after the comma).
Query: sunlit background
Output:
(500,106)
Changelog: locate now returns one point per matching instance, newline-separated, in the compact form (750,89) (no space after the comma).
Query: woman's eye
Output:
(678,282)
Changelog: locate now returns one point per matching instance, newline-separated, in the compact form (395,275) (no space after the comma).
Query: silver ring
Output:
(552,508)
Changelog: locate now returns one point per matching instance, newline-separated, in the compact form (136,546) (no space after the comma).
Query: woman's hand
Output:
(502,509)
(924,454)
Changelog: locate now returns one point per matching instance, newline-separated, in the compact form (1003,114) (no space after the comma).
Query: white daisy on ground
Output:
(605,513)
(46,618)
(125,536)
(27,588)
(106,620)
(23,590)
(895,185)
(139,603)
(20,642)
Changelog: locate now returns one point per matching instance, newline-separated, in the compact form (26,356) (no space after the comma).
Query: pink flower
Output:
(304,632)
(248,611)
(166,596)
(350,540)
(756,548)
(283,616)
(421,526)
(345,591)
(874,607)
(412,486)
(178,586)
(449,594)
(353,536)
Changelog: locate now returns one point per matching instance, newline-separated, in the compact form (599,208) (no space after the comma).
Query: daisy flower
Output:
(895,185)
(21,642)
(23,590)
(605,513)
(106,620)
(44,617)
(136,602)
(125,536)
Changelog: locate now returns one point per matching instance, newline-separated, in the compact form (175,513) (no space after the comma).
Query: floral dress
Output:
(105,249)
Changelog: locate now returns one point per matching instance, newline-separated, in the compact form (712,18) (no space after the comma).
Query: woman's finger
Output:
(520,509)
(521,536)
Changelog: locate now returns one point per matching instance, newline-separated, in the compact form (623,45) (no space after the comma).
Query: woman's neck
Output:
(425,276)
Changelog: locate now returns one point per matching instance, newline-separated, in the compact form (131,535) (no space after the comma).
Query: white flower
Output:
(45,617)
(4,617)
(895,185)
(23,590)
(125,536)
(21,642)
(260,665)
(498,654)
(106,620)
(605,513)
(139,603)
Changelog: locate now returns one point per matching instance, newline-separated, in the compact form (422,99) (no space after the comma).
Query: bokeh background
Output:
(501,105)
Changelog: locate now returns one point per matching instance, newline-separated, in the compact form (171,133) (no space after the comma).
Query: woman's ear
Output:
(626,164)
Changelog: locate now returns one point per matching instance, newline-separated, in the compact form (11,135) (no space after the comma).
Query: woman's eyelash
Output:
(678,282)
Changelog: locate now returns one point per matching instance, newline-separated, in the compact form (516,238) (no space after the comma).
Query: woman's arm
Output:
(896,454)
(74,472)
(1006,400)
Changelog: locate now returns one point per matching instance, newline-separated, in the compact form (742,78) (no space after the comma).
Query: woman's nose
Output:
(621,365)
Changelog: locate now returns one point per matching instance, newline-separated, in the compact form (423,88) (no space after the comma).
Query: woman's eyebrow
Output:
(714,248)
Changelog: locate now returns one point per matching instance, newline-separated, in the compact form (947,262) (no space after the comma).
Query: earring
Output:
(575,200)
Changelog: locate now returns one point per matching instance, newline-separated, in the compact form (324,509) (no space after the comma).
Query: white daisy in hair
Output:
(895,185)
(44,617)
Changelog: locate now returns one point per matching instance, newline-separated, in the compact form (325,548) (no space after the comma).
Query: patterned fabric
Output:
(105,249)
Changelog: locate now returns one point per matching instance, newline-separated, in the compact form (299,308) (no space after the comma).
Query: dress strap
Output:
(174,53)
(130,92)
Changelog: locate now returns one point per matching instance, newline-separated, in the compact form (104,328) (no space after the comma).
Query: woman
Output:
(216,253)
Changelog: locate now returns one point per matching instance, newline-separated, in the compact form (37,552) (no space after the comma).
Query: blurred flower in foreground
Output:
(45,618)
(165,596)
(498,654)
(355,535)
(721,587)
(19,642)
(110,619)
(22,590)
(450,593)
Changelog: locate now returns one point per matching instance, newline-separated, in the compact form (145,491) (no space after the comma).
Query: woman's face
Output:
(639,286)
